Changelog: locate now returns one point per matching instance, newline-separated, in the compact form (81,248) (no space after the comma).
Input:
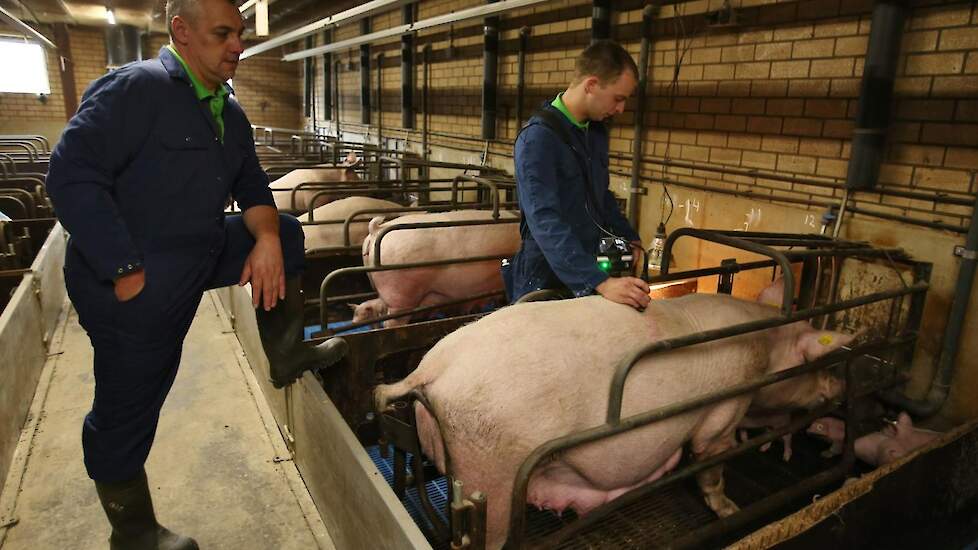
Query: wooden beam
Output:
(67,68)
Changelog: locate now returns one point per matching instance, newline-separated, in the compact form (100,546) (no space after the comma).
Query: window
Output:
(24,68)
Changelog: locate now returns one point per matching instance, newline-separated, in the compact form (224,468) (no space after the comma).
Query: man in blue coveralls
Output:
(140,179)
(566,211)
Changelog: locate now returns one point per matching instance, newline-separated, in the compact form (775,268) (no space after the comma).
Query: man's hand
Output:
(265,269)
(625,290)
(129,285)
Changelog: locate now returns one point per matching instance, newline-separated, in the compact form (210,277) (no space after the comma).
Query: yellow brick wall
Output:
(777,93)
(264,85)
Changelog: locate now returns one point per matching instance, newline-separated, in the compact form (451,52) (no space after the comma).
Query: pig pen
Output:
(488,193)
(368,499)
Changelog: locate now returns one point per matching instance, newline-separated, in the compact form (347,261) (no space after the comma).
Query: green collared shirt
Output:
(558,103)
(215,98)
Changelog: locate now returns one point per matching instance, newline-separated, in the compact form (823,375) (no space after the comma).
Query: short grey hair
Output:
(187,9)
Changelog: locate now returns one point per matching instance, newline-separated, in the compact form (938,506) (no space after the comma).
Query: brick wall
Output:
(776,93)
(264,86)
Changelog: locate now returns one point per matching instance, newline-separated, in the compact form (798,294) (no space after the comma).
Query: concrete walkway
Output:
(219,470)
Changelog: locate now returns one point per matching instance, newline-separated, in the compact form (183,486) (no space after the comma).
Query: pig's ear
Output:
(773,294)
(353,306)
(817,343)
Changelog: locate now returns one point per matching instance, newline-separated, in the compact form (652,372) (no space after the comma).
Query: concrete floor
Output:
(215,469)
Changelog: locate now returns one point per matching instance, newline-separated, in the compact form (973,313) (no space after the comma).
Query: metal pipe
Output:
(426,79)
(477,12)
(344,17)
(407,69)
(939,196)
(415,311)
(940,385)
(380,99)
(365,74)
(327,79)
(636,190)
(339,101)
(854,210)
(842,213)
(490,74)
(876,95)
(27,29)
(521,76)
(600,20)
(307,81)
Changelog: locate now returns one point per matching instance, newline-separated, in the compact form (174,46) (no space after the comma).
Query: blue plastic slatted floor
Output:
(437,490)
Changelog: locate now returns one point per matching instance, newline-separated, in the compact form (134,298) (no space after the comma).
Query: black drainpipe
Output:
(380,100)
(407,70)
(521,76)
(876,95)
(601,20)
(365,74)
(307,80)
(490,72)
(637,190)
(940,386)
(327,80)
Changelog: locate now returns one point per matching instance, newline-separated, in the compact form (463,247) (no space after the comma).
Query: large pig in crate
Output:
(304,197)
(531,373)
(405,289)
(331,235)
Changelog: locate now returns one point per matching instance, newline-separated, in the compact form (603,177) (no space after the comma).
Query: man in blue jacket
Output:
(140,179)
(562,184)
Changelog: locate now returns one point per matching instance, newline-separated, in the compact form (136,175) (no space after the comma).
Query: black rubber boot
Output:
(130,511)
(281,331)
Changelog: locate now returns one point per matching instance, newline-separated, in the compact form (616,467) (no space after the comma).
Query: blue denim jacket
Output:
(140,171)
(560,239)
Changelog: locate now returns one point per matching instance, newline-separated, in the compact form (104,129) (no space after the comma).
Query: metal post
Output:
(490,75)
(407,70)
(636,190)
(601,20)
(521,76)
(365,74)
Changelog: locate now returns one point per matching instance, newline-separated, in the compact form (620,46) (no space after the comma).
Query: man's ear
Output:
(181,28)
(590,83)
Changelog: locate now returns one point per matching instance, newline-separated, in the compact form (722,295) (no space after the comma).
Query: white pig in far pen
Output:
(331,235)
(405,289)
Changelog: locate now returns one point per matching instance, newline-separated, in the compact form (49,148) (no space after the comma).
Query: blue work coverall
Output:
(560,239)
(140,179)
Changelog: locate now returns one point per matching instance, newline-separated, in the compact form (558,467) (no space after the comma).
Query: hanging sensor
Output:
(658,246)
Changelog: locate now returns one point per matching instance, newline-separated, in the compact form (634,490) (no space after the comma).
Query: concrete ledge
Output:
(26,327)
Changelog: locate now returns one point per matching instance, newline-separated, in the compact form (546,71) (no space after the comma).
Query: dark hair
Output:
(604,59)
(187,9)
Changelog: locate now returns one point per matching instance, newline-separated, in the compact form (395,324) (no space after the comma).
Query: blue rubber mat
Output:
(437,490)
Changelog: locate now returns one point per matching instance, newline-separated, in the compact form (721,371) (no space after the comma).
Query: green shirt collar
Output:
(558,103)
(199,88)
